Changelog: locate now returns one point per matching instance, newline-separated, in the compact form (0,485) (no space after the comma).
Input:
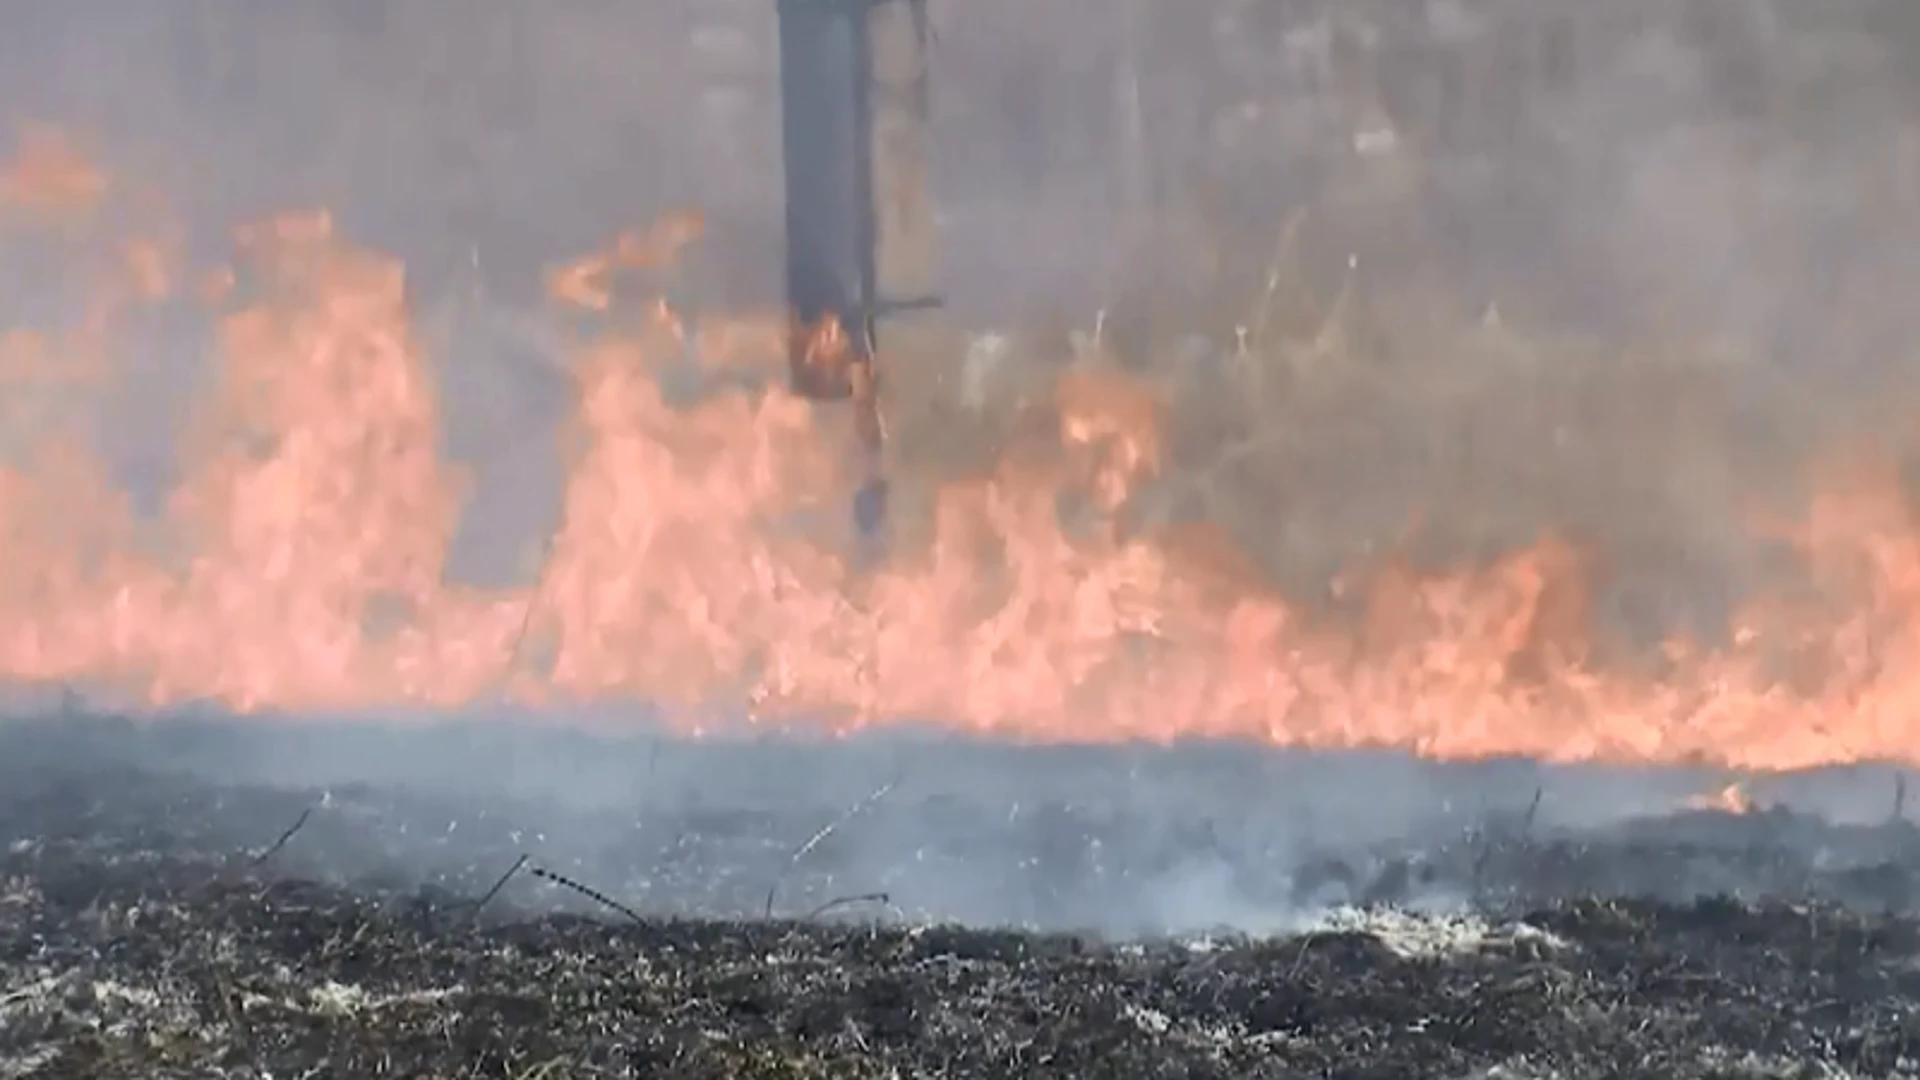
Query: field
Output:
(1427,376)
(157,920)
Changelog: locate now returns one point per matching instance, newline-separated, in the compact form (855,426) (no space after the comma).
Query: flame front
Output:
(300,562)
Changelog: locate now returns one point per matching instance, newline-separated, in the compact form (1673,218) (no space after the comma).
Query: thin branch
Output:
(292,830)
(587,891)
(848,901)
(1533,812)
(820,837)
(487,898)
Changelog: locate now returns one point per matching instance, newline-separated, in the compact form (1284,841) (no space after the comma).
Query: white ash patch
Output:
(106,1005)
(1518,1068)
(1418,936)
(1747,1065)
(1409,934)
(1214,1039)
(339,999)
(21,1066)
(28,994)
(110,994)
(1151,1021)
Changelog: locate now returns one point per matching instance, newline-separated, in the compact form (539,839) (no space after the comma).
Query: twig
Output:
(1256,328)
(1336,314)
(1533,811)
(820,837)
(1483,857)
(284,838)
(1300,958)
(487,897)
(224,873)
(589,892)
(545,1069)
(847,901)
(535,600)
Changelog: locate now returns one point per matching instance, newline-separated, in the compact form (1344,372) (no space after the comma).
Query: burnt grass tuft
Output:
(133,945)
(126,963)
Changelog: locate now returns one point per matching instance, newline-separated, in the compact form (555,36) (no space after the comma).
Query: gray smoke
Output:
(1613,268)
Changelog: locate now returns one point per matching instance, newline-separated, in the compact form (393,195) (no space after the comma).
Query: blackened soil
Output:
(160,924)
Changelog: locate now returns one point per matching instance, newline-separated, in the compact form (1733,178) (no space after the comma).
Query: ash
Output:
(205,898)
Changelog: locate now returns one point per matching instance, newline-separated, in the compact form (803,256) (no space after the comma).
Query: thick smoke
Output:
(1691,220)
(1497,266)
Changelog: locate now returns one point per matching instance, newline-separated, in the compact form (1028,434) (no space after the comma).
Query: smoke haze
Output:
(1693,222)
(1420,280)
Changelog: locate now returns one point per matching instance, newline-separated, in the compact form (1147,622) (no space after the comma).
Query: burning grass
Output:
(1125,565)
(1354,523)
(1352,514)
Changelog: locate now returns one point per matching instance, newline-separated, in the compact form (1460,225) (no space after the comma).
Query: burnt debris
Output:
(158,921)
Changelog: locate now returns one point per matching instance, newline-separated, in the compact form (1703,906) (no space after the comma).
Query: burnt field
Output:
(196,899)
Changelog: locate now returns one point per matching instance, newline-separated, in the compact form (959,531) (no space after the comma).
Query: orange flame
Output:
(300,564)
(1732,799)
(50,177)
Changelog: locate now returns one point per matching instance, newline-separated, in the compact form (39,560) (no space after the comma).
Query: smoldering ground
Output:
(184,897)
(1611,270)
(1116,841)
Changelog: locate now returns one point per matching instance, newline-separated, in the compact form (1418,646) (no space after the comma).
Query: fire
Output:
(50,177)
(300,562)
(1732,799)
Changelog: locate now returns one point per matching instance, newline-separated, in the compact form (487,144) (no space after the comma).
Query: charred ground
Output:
(161,920)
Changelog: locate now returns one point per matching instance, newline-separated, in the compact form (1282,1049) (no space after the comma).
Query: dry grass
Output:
(1422,280)
(142,936)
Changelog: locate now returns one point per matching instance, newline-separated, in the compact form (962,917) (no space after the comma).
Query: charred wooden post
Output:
(859,216)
